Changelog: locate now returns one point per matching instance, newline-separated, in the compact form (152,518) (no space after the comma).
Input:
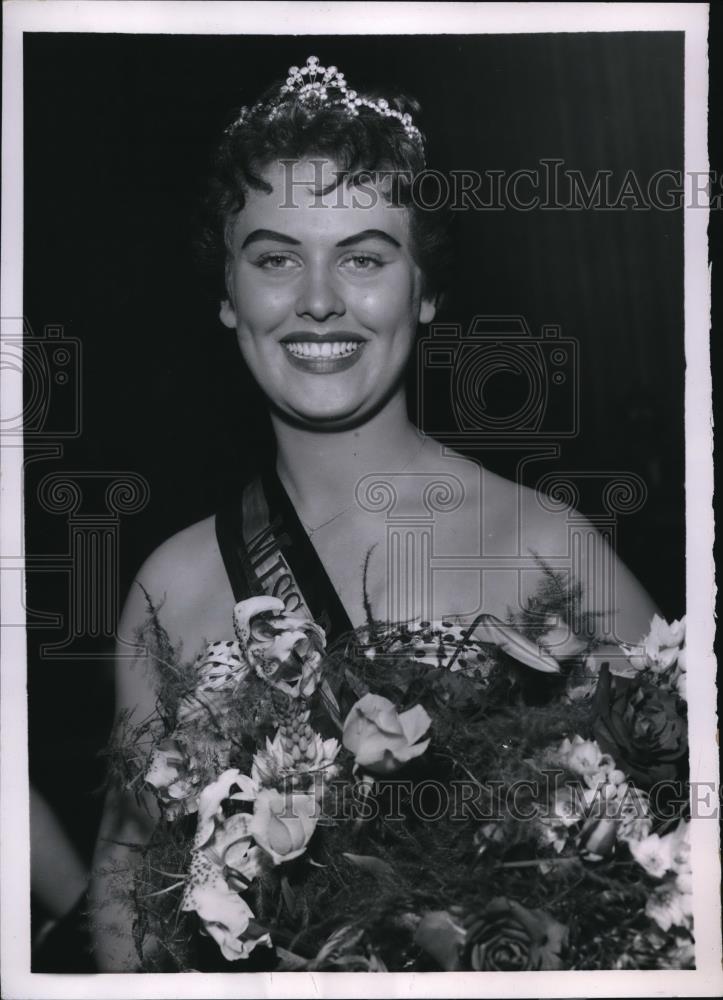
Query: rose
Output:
(382,739)
(284,651)
(641,727)
(506,937)
(176,777)
(282,825)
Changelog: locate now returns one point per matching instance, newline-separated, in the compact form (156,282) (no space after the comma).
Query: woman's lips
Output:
(324,358)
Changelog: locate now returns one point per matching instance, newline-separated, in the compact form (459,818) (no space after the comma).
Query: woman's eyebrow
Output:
(368,234)
(268,234)
(271,235)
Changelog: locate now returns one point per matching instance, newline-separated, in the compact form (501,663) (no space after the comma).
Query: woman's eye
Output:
(362,262)
(276,262)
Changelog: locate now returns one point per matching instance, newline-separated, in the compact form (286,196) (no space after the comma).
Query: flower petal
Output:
(282,825)
(381,711)
(233,831)
(224,913)
(493,630)
(415,723)
(248,609)
(209,803)
(375,746)
(409,753)
(561,642)
(165,763)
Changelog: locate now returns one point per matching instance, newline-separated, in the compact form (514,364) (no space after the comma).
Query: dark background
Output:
(118,134)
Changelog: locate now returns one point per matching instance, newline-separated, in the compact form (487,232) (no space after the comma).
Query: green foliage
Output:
(556,597)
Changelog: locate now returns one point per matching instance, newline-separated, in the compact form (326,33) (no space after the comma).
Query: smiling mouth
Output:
(324,357)
(327,349)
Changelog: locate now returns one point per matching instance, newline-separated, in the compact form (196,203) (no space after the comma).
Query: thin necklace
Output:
(334,517)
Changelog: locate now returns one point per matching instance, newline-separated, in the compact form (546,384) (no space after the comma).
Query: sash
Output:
(267,552)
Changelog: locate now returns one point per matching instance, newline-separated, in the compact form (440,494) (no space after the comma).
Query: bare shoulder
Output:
(565,538)
(185,579)
(515,519)
(186,559)
(526,529)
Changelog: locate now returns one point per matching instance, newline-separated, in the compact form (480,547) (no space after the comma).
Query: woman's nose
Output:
(319,298)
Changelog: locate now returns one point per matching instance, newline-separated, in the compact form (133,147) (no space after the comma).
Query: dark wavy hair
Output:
(280,128)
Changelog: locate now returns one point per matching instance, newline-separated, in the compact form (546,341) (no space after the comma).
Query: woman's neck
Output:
(321,469)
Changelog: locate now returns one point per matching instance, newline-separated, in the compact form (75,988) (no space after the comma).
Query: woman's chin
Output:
(328,421)
(325,415)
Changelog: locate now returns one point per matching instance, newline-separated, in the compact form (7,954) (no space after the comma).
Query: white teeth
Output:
(327,349)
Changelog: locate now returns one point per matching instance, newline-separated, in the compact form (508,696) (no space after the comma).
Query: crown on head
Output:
(327,85)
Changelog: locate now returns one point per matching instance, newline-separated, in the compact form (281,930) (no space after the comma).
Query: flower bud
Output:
(600,838)
(382,739)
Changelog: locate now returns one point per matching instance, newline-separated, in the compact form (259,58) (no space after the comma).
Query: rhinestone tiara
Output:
(327,85)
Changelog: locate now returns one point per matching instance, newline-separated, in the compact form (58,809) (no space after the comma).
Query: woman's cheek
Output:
(385,305)
(263,304)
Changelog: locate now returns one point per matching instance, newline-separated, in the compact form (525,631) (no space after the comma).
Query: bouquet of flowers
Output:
(422,798)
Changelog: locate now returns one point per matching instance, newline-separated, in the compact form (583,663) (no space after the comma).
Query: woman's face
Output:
(323,293)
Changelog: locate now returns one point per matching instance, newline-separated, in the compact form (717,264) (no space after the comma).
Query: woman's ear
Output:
(428,310)
(227,314)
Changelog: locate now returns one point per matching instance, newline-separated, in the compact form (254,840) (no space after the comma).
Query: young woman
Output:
(329,268)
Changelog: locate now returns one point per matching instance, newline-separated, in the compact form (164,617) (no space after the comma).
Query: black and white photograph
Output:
(357,532)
